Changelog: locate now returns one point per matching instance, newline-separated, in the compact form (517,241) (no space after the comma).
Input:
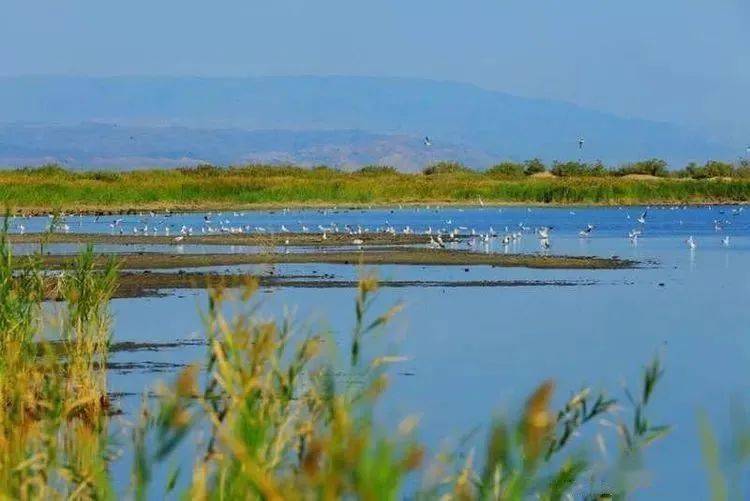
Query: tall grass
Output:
(282,417)
(53,392)
(212,187)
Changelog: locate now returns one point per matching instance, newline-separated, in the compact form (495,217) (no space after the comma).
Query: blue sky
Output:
(684,61)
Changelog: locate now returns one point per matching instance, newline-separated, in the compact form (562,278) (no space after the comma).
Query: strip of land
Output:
(154,284)
(45,190)
(394,256)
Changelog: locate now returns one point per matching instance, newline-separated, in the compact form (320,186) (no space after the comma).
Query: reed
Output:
(260,186)
(282,416)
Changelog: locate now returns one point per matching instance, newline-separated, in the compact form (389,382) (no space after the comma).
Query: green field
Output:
(52,188)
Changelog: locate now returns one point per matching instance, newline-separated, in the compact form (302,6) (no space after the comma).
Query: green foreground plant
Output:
(281,417)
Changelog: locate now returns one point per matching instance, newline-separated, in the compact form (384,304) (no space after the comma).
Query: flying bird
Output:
(427,141)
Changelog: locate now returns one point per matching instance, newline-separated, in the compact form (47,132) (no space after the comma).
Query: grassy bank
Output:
(212,188)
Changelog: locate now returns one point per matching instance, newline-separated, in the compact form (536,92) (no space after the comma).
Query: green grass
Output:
(262,186)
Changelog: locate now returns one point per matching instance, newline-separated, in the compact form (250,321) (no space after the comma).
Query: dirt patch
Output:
(395,256)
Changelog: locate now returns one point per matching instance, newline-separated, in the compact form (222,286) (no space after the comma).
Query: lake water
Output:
(477,351)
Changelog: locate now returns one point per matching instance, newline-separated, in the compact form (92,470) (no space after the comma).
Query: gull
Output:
(690,242)
(543,232)
(587,231)
(427,141)
(358,241)
(642,218)
(725,241)
(325,236)
(544,242)
(634,234)
(580,143)
(284,229)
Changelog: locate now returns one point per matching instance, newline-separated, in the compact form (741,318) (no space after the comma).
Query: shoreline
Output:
(108,210)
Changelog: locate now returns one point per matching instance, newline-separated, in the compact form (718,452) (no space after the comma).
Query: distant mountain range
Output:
(339,121)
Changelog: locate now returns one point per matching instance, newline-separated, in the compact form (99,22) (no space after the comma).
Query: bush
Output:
(507,170)
(377,170)
(47,170)
(534,166)
(446,168)
(578,169)
(652,167)
(103,175)
(710,169)
(203,170)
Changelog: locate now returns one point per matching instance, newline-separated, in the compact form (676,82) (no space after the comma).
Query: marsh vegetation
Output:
(209,187)
(280,414)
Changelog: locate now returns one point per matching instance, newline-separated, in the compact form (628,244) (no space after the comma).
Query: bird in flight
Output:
(427,141)
(580,143)
(642,218)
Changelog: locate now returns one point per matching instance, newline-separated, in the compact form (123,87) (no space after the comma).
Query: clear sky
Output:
(685,61)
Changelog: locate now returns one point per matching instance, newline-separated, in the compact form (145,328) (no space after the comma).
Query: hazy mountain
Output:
(101,146)
(336,120)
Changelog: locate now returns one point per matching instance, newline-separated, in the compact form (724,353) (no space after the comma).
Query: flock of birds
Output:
(159,224)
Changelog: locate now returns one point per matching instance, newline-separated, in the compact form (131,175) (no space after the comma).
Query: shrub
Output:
(203,170)
(446,168)
(578,169)
(103,175)
(377,170)
(534,166)
(47,170)
(652,167)
(507,170)
(711,169)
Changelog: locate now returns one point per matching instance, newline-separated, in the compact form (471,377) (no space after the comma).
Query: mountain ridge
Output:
(487,125)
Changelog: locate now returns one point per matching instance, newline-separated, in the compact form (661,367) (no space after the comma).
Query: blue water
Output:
(474,352)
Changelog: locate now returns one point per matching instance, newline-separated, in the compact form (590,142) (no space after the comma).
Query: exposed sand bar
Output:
(395,256)
(153,284)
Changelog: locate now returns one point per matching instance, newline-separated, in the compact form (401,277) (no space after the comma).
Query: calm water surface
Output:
(474,352)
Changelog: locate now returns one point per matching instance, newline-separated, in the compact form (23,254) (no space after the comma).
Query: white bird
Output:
(690,242)
(543,232)
(358,241)
(586,232)
(642,218)
(725,241)
(179,238)
(427,141)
